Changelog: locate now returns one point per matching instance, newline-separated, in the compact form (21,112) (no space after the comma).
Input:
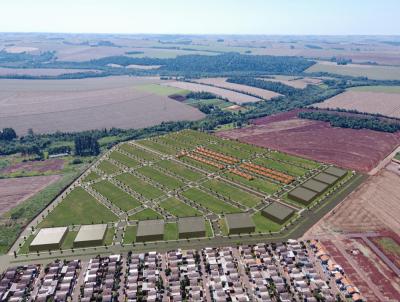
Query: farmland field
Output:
(232,96)
(367,100)
(85,104)
(356,70)
(40,71)
(295,82)
(222,83)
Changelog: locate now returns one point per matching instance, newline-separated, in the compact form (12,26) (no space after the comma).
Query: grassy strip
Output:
(79,207)
(280,166)
(91,176)
(140,186)
(152,144)
(171,231)
(107,167)
(178,208)
(257,184)
(146,214)
(209,230)
(161,178)
(130,234)
(306,163)
(264,225)
(210,202)
(140,153)
(117,196)
(180,170)
(123,159)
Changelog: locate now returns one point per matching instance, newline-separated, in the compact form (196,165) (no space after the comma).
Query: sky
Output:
(270,17)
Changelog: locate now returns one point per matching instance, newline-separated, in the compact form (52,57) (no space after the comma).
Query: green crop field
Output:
(108,167)
(123,159)
(171,231)
(79,207)
(209,201)
(140,186)
(116,195)
(159,177)
(231,192)
(146,214)
(162,89)
(302,162)
(179,208)
(281,166)
(180,170)
(139,153)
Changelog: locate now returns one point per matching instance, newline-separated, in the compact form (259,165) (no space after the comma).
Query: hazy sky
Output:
(202,16)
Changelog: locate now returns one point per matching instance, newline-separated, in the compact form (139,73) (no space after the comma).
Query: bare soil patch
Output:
(52,165)
(41,71)
(13,191)
(295,82)
(372,102)
(232,96)
(222,83)
(75,105)
(359,150)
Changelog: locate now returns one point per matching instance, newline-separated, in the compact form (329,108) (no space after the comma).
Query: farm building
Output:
(239,223)
(48,239)
(277,212)
(191,227)
(315,185)
(326,178)
(150,230)
(90,235)
(302,195)
(339,173)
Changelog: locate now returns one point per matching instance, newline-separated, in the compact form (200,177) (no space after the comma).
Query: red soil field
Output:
(13,191)
(391,237)
(359,150)
(35,166)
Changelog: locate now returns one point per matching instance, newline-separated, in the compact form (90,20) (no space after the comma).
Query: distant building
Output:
(240,223)
(150,230)
(339,173)
(326,178)
(191,227)
(48,239)
(277,212)
(90,235)
(302,195)
(315,185)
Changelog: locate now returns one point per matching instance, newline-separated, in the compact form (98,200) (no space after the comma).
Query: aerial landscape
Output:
(147,154)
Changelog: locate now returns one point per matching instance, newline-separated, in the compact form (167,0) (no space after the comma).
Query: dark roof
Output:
(302,194)
(239,220)
(326,178)
(315,185)
(150,227)
(336,172)
(191,224)
(278,210)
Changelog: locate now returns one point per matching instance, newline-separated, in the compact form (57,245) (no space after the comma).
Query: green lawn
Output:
(210,202)
(24,249)
(140,153)
(179,208)
(154,145)
(109,236)
(146,214)
(130,234)
(171,231)
(79,207)
(108,167)
(257,184)
(123,159)
(264,225)
(306,163)
(91,176)
(162,89)
(281,166)
(180,170)
(69,240)
(159,177)
(117,196)
(140,186)
(231,192)
(209,230)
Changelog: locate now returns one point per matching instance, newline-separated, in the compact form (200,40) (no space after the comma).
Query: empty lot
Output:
(222,83)
(232,96)
(75,105)
(41,71)
(374,101)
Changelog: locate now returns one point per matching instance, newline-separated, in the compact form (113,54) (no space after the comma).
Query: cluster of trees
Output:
(86,145)
(351,121)
(8,134)
(268,85)
(202,95)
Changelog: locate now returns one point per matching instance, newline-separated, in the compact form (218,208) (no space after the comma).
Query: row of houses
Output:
(334,270)
(17,283)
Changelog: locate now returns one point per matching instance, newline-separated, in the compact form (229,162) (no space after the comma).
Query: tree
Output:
(86,145)
(8,134)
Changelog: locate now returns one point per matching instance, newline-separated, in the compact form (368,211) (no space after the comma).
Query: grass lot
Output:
(120,198)
(229,191)
(159,177)
(305,163)
(387,89)
(356,70)
(257,184)
(179,208)
(223,227)
(69,240)
(107,167)
(171,231)
(146,214)
(140,186)
(210,202)
(123,159)
(280,166)
(397,156)
(264,225)
(130,234)
(109,236)
(209,230)
(139,153)
(154,145)
(24,249)
(180,170)
(79,207)
(198,164)
(294,202)
(161,89)
(91,176)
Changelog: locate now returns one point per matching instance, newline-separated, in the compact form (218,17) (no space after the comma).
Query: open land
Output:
(295,82)
(385,103)
(222,83)
(232,96)
(45,166)
(85,104)
(14,191)
(359,150)
(40,71)
(357,70)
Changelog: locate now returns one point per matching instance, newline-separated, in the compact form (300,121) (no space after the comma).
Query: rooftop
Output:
(315,185)
(278,210)
(191,224)
(302,194)
(239,220)
(91,232)
(150,227)
(49,236)
(326,178)
(336,172)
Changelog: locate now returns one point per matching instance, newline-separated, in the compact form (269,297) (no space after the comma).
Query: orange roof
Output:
(324,257)
(346,281)
(356,297)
